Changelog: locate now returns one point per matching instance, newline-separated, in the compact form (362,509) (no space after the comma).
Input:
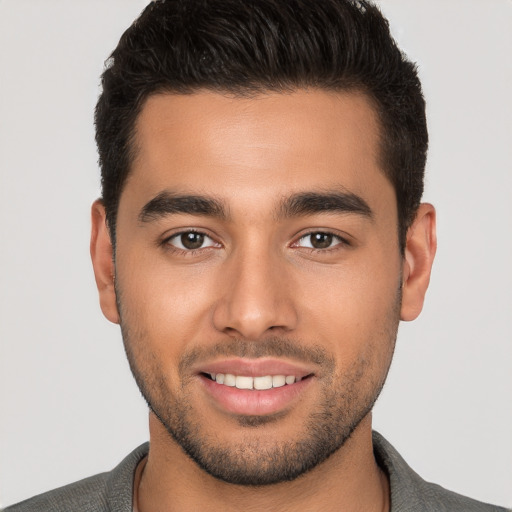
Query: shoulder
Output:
(88,494)
(440,499)
(410,493)
(106,492)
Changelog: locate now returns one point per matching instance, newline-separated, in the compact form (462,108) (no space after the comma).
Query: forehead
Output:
(262,145)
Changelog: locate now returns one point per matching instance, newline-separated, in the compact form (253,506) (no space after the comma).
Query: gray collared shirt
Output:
(113,491)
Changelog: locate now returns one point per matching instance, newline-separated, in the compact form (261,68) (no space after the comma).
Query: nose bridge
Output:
(255,294)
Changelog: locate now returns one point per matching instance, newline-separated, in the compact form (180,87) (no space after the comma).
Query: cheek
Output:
(164,303)
(353,308)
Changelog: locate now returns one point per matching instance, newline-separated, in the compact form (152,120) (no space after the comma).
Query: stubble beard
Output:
(254,461)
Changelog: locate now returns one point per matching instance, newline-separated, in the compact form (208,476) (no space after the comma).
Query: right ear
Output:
(103,262)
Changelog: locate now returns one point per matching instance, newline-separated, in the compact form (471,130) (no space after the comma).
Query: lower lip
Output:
(251,402)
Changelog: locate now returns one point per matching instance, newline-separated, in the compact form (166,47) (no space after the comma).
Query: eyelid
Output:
(343,240)
(166,240)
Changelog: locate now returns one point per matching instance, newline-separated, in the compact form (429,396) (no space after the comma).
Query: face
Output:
(258,276)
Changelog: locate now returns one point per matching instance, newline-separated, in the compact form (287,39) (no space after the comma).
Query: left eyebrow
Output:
(309,203)
(168,203)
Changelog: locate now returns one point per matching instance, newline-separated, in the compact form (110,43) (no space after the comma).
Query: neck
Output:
(350,479)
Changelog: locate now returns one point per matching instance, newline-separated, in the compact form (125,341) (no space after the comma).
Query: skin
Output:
(257,282)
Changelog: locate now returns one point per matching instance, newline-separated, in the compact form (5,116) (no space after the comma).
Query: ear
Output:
(102,262)
(419,255)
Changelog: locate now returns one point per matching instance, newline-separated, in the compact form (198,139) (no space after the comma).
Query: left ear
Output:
(420,250)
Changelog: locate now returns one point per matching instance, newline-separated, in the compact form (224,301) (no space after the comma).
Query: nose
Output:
(256,297)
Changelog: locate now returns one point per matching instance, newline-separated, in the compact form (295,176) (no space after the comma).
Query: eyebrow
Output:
(309,203)
(297,205)
(168,203)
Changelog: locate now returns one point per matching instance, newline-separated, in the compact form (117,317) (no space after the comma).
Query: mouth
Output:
(255,387)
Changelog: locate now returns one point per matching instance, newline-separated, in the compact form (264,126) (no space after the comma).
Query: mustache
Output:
(269,347)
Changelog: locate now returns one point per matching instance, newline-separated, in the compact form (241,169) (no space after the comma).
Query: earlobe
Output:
(419,255)
(102,261)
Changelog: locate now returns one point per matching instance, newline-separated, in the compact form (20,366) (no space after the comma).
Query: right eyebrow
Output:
(168,203)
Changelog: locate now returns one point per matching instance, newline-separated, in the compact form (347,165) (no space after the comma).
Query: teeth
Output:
(263,382)
(279,380)
(229,380)
(244,382)
(259,383)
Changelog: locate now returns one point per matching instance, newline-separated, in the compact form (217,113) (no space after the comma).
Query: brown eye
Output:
(191,240)
(320,240)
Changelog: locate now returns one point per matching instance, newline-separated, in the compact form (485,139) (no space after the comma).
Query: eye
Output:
(320,240)
(191,240)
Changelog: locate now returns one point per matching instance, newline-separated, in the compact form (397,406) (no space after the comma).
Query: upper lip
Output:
(255,367)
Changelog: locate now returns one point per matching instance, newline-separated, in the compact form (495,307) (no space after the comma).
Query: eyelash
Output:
(342,242)
(191,252)
(187,252)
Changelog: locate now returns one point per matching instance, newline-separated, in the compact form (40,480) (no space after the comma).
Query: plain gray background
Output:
(68,405)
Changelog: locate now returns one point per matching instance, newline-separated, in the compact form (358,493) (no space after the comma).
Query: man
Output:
(259,238)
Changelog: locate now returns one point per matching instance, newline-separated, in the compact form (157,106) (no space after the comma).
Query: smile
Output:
(255,387)
(258,383)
